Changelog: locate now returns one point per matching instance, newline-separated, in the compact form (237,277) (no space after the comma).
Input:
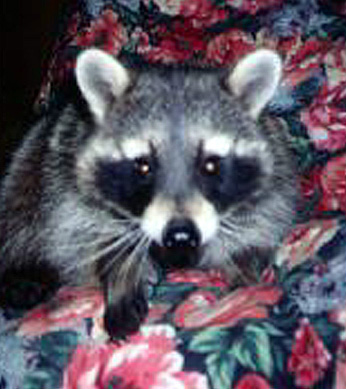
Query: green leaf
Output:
(269,328)
(210,341)
(253,350)
(220,370)
(242,353)
(263,357)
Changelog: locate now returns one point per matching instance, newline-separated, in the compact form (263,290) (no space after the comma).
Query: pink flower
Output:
(202,309)
(157,312)
(70,307)
(309,358)
(229,47)
(105,32)
(304,240)
(199,278)
(252,381)
(147,361)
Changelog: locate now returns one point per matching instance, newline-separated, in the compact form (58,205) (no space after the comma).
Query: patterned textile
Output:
(288,332)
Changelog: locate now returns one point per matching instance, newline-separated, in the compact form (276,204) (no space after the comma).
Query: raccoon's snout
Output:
(181,245)
(181,234)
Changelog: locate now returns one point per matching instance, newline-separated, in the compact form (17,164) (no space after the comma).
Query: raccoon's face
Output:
(179,153)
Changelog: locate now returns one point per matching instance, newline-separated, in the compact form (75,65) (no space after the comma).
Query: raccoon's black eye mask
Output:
(226,180)
(128,182)
(223,180)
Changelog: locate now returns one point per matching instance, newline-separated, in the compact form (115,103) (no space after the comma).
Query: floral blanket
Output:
(289,331)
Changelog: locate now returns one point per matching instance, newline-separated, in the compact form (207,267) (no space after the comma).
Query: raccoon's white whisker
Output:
(126,215)
(103,238)
(132,261)
(104,251)
(125,244)
(229,225)
(143,259)
(130,272)
(229,231)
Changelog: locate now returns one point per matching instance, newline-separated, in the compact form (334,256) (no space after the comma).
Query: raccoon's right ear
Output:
(101,79)
(255,80)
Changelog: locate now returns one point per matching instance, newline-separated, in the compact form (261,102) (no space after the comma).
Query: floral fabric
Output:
(288,332)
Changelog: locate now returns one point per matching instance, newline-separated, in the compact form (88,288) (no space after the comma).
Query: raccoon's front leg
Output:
(126,306)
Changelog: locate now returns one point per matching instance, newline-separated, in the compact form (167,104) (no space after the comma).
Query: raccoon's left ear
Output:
(255,79)
(101,79)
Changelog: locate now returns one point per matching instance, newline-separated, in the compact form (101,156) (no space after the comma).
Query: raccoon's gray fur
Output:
(174,167)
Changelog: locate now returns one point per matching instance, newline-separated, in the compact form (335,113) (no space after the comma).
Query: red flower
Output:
(310,183)
(105,32)
(202,13)
(341,360)
(339,316)
(253,6)
(326,118)
(333,182)
(338,7)
(252,381)
(229,47)
(327,185)
(177,45)
(202,308)
(309,358)
(147,361)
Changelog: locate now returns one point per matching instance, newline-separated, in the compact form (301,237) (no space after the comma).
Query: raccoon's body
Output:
(165,167)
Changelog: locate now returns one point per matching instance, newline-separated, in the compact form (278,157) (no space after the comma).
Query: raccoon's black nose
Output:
(181,234)
(180,246)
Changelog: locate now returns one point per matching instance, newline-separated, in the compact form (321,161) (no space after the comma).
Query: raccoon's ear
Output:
(101,79)
(255,79)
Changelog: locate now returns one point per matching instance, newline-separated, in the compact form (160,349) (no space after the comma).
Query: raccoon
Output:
(153,168)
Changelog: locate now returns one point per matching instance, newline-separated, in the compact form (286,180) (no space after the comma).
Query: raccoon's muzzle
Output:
(181,245)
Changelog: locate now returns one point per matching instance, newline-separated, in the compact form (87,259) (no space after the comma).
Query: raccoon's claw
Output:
(124,317)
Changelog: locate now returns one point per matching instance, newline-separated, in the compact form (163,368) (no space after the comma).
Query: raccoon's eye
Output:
(143,166)
(211,166)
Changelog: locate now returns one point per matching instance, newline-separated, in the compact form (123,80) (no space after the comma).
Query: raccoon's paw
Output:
(125,317)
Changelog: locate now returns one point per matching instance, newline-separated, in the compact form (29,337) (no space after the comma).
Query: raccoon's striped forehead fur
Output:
(187,144)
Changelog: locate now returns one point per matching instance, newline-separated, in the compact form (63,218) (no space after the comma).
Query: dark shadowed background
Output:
(28,31)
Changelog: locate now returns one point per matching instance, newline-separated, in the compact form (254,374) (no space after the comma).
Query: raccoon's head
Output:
(180,154)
